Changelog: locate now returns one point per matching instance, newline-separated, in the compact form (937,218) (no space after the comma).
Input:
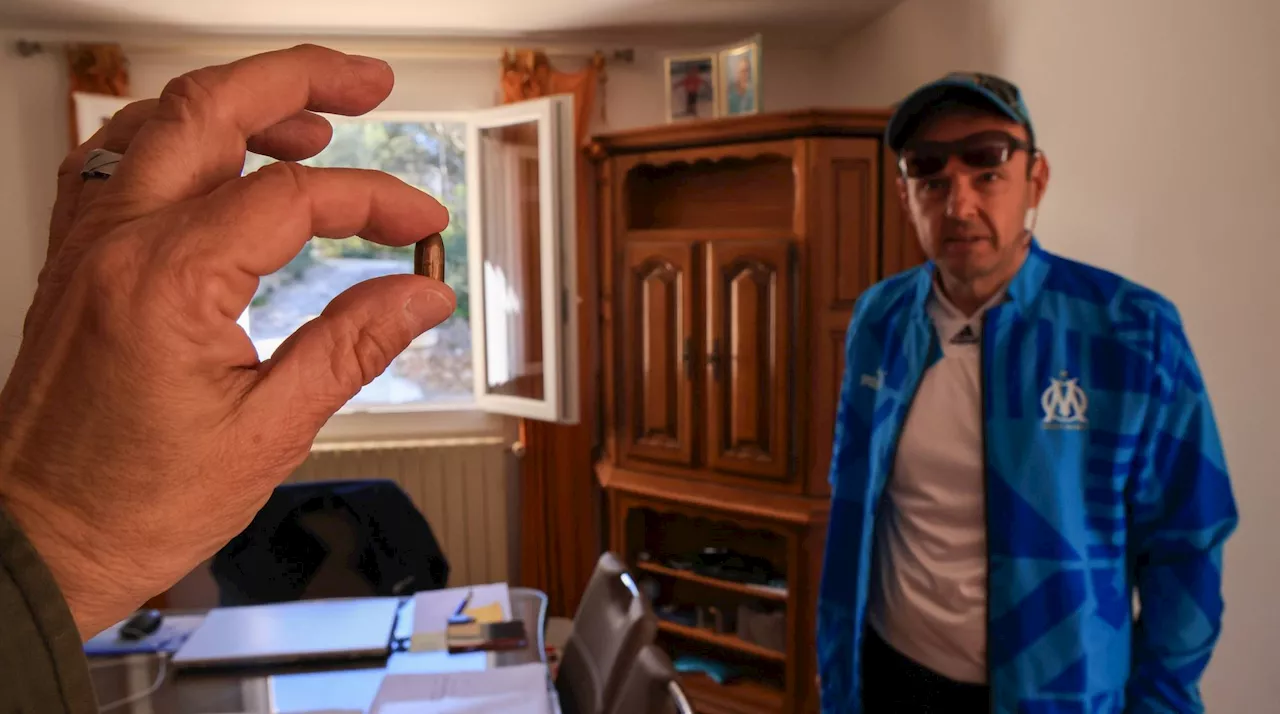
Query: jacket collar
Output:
(1023,288)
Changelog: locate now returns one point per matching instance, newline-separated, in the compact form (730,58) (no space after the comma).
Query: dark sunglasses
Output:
(985,150)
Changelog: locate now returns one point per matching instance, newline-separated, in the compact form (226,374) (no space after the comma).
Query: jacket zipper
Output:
(893,457)
(986,504)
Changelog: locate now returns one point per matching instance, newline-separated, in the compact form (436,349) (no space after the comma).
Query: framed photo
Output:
(93,111)
(740,78)
(691,87)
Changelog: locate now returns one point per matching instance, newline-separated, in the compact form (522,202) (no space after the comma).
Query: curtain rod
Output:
(382,48)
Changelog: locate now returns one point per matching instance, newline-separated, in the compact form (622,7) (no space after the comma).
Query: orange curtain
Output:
(560,539)
(98,68)
(527,74)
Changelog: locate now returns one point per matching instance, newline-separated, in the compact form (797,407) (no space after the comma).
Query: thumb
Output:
(329,359)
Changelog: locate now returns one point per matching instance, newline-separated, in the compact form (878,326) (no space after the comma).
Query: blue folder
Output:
(173,631)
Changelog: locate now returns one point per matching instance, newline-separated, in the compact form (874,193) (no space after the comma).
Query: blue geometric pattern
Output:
(1105,476)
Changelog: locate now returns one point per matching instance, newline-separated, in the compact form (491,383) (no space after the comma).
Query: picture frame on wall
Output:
(739,78)
(93,111)
(691,87)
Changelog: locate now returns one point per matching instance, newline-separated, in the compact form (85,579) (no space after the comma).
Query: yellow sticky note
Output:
(486,613)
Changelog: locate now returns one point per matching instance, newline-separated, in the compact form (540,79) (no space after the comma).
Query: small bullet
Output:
(428,257)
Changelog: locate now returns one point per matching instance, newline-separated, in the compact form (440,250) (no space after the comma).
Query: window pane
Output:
(512,271)
(431,156)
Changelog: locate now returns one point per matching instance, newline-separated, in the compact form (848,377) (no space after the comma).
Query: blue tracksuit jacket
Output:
(1104,474)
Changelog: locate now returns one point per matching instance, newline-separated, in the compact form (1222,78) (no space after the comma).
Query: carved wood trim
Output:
(785,150)
(761,127)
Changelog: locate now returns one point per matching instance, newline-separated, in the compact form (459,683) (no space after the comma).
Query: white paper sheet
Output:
(523,689)
(503,703)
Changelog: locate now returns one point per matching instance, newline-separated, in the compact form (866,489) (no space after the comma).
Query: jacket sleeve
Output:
(837,595)
(42,662)
(1182,511)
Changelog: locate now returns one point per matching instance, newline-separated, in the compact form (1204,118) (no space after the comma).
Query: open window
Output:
(507,176)
(521,249)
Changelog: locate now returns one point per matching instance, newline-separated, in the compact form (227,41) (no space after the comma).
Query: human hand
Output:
(138,430)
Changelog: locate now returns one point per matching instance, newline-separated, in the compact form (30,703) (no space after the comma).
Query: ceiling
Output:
(661,22)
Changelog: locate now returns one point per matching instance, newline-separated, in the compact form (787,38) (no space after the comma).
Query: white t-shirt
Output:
(928,596)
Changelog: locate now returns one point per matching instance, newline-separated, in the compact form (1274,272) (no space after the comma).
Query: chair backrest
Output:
(331,539)
(612,624)
(651,686)
(338,574)
(530,605)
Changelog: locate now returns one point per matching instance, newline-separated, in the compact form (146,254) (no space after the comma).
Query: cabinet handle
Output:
(714,360)
(688,358)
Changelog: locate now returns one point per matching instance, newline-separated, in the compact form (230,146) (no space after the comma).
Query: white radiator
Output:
(465,487)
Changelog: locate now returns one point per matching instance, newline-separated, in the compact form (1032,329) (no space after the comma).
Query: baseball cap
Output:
(957,89)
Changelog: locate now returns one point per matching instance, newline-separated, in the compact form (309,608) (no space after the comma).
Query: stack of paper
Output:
(523,689)
(433,608)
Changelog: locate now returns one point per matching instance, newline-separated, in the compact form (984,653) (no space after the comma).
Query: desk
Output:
(297,689)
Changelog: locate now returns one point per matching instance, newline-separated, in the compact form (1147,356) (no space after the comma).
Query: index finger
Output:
(196,140)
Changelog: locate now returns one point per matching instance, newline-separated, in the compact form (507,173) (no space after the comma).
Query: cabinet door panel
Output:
(851,201)
(657,352)
(748,347)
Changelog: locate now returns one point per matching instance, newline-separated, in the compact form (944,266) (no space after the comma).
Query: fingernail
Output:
(368,62)
(428,309)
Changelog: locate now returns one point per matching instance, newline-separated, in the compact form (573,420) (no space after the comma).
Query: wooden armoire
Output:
(731,253)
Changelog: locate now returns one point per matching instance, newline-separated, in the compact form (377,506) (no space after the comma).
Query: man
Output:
(691,83)
(1022,441)
(138,430)
(742,96)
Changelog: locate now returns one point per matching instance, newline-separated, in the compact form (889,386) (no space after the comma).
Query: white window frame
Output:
(557,258)
(482,414)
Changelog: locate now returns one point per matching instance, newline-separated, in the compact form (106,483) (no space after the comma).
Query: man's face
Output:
(970,218)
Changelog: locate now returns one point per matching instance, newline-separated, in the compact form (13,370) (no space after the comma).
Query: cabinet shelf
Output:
(725,187)
(760,591)
(740,696)
(729,642)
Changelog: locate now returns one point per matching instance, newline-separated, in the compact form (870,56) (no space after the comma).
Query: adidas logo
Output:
(965,337)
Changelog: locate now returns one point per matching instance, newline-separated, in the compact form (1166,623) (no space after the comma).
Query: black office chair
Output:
(329,539)
(613,622)
(651,686)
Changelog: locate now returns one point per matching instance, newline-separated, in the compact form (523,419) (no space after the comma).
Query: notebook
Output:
(433,608)
(291,632)
(486,636)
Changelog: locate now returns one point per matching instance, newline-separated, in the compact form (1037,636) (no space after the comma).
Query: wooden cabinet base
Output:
(665,527)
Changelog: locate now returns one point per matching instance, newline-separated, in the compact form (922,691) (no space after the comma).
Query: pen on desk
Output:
(462,607)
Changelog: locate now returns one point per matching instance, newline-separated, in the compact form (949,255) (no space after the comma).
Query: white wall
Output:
(1159,120)
(34,133)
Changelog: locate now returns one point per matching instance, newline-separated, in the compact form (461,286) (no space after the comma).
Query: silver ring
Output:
(100,164)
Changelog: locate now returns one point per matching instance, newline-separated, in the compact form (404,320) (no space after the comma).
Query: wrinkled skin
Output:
(138,430)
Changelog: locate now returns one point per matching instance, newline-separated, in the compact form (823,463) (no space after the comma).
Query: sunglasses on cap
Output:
(1005,90)
(985,150)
